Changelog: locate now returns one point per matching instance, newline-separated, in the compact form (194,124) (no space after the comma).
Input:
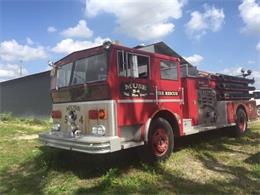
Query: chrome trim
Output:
(114,117)
(198,128)
(182,96)
(147,125)
(86,144)
(131,144)
(148,101)
(86,102)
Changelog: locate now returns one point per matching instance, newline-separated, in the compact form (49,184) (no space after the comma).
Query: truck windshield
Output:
(89,69)
(63,75)
(93,68)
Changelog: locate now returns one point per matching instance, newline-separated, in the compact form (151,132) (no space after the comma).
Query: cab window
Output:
(168,70)
(132,65)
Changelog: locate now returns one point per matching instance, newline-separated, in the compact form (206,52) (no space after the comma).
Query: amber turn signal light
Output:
(102,114)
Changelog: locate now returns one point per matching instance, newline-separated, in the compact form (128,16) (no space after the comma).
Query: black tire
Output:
(160,142)
(241,123)
(258,110)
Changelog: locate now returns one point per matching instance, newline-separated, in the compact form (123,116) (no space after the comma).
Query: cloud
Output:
(235,71)
(29,41)
(258,46)
(51,29)
(200,23)
(250,14)
(67,46)
(13,51)
(194,59)
(143,20)
(80,31)
(10,71)
(251,62)
(256,75)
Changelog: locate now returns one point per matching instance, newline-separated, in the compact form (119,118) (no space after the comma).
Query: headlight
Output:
(94,130)
(99,130)
(56,127)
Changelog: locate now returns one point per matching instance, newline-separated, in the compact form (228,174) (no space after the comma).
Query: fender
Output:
(148,122)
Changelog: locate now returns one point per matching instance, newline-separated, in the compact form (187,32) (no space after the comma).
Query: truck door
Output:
(135,103)
(169,93)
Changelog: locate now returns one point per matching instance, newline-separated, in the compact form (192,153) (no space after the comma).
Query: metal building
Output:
(27,96)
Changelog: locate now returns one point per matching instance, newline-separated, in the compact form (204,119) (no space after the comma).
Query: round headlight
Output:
(94,130)
(101,130)
(56,127)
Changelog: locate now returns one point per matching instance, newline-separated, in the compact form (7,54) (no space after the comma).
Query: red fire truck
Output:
(112,97)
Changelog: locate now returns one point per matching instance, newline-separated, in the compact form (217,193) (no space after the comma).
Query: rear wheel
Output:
(241,123)
(258,110)
(160,141)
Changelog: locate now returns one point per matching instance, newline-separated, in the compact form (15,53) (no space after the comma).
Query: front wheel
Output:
(160,141)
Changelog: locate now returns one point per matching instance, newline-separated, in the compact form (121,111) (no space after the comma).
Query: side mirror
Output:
(53,71)
(53,68)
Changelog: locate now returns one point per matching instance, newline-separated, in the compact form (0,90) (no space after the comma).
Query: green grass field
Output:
(207,163)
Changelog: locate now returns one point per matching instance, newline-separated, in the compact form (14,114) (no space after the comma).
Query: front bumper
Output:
(86,144)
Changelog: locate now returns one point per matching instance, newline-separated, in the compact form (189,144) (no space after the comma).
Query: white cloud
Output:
(194,59)
(235,71)
(211,19)
(251,62)
(67,46)
(144,20)
(258,46)
(256,75)
(10,71)
(13,51)
(250,14)
(51,29)
(29,41)
(80,31)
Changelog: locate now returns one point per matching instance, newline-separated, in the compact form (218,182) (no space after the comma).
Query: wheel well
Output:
(171,119)
(243,108)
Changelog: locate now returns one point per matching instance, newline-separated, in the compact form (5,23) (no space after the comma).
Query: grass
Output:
(207,163)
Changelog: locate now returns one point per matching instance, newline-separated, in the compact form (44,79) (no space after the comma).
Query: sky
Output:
(215,35)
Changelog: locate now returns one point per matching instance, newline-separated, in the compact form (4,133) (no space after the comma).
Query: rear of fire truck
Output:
(218,101)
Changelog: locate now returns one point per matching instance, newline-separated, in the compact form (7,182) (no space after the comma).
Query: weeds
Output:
(208,163)
(6,116)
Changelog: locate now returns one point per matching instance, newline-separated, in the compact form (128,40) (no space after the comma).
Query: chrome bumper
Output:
(86,144)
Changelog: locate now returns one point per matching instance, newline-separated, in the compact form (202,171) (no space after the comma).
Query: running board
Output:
(189,129)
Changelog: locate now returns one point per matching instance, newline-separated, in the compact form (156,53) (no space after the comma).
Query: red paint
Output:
(242,124)
(160,142)
(93,114)
(248,106)
(56,114)
(137,110)
(190,108)
(230,112)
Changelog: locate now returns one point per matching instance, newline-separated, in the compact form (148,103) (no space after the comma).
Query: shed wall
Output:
(27,96)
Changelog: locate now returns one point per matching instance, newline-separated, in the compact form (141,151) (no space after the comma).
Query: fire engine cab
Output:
(112,97)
